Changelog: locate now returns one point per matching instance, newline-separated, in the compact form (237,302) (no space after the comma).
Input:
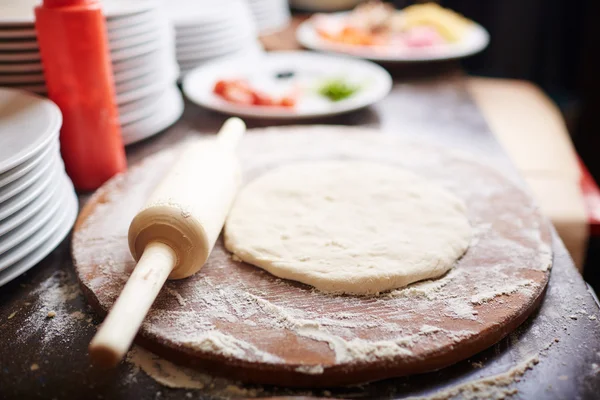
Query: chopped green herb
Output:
(285,75)
(337,89)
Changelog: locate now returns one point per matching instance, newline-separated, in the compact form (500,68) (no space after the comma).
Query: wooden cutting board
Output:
(237,320)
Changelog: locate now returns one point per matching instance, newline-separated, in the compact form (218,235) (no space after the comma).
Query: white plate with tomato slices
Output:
(287,85)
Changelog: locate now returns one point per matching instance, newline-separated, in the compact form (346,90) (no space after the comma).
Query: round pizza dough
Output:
(348,226)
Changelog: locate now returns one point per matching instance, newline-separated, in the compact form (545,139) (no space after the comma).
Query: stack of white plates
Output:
(38,205)
(209,29)
(142,49)
(270,15)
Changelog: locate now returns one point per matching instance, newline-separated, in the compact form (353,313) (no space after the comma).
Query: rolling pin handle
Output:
(113,339)
(231,132)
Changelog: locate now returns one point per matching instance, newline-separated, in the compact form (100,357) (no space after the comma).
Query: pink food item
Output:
(423,36)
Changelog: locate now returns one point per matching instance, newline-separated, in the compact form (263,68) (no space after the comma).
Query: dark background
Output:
(551,43)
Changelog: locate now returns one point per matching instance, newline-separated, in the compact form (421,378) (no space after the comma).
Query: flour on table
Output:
(51,314)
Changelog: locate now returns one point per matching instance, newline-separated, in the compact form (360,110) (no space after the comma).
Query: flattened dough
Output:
(348,226)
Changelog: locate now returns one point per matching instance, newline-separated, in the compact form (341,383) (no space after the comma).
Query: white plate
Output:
(153,87)
(241,20)
(167,73)
(28,227)
(24,214)
(18,45)
(160,64)
(154,124)
(200,12)
(474,41)
(310,68)
(16,187)
(146,61)
(16,172)
(141,28)
(22,78)
(127,43)
(17,33)
(135,51)
(213,40)
(20,68)
(21,56)
(145,17)
(40,246)
(197,58)
(150,106)
(252,51)
(24,198)
(39,88)
(195,54)
(117,9)
(27,124)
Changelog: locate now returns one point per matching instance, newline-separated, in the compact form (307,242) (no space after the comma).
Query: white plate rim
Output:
(21,169)
(158,103)
(14,188)
(309,38)
(10,223)
(54,239)
(154,124)
(213,103)
(27,196)
(52,130)
(29,227)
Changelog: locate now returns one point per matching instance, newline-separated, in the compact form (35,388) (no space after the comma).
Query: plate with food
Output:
(379,32)
(287,85)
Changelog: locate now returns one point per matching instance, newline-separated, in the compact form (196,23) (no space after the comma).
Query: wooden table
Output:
(37,360)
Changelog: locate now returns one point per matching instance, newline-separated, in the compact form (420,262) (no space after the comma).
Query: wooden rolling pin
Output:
(173,235)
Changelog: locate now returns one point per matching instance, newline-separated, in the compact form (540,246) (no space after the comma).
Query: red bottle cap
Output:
(68,3)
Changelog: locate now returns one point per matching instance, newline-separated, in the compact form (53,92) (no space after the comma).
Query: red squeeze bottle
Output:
(77,68)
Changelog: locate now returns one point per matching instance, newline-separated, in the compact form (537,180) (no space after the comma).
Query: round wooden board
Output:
(236,320)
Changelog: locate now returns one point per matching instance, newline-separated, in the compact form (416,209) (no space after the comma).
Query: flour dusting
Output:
(243,314)
(50,315)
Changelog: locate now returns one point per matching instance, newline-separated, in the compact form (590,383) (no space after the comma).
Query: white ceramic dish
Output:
(159,74)
(125,43)
(153,23)
(150,106)
(153,124)
(125,22)
(16,172)
(28,67)
(27,124)
(473,42)
(33,88)
(309,69)
(18,45)
(135,51)
(142,62)
(28,195)
(161,63)
(24,214)
(201,12)
(20,56)
(17,33)
(16,187)
(21,79)
(40,246)
(14,12)
(28,228)
(156,86)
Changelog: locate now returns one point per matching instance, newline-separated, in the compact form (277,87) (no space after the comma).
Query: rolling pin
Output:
(173,235)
